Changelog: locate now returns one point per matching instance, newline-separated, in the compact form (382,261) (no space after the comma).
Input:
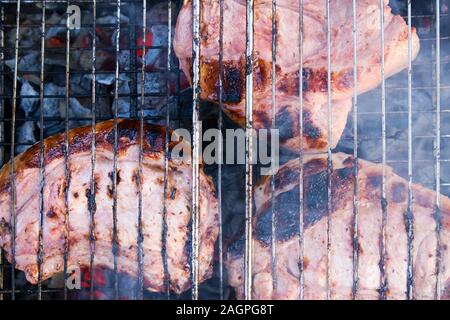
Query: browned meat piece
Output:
(286,268)
(315,65)
(79,211)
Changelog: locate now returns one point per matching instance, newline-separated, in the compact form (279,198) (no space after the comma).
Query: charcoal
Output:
(156,57)
(28,62)
(28,105)
(25,136)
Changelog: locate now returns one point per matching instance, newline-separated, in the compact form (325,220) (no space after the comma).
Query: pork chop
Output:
(286,210)
(315,64)
(79,209)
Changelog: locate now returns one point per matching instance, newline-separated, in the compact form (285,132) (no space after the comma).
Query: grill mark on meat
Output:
(313,135)
(126,135)
(261,76)
(51,213)
(156,139)
(398,192)
(306,73)
(446,294)
(317,80)
(289,84)
(311,132)
(262,119)
(173,193)
(374,180)
(286,123)
(118,178)
(423,200)
(90,200)
(233,80)
(286,208)
(315,197)
(109,191)
(135,177)
(233,84)
(5,227)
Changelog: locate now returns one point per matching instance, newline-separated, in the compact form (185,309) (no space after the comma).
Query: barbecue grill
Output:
(120,63)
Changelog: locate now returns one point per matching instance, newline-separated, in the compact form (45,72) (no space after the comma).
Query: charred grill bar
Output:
(355,260)
(248,152)
(430,18)
(438,148)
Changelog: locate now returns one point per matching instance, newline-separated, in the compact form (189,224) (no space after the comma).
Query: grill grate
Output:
(394,111)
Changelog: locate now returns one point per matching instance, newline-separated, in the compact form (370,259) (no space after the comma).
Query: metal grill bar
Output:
(248,152)
(329,155)
(67,155)
(166,158)
(133,58)
(438,151)
(116,141)
(300,122)
(13,140)
(383,277)
(91,199)
(140,239)
(195,144)
(355,268)
(409,212)
(41,156)
(2,128)
(272,182)
(220,151)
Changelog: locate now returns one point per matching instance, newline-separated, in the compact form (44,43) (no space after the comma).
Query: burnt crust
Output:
(234,74)
(80,140)
(315,195)
(233,80)
(315,182)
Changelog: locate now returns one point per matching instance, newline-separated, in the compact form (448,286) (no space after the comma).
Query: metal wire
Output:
(248,152)
(409,211)
(2,127)
(12,208)
(41,157)
(300,123)
(355,260)
(329,155)
(195,145)
(66,156)
(133,56)
(91,199)
(116,141)
(166,157)
(140,239)
(272,181)
(438,151)
(384,205)
(220,151)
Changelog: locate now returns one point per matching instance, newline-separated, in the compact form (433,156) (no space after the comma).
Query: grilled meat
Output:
(315,65)
(81,207)
(284,274)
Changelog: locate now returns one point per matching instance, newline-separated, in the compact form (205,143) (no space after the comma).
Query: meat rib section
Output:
(286,272)
(314,77)
(79,209)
